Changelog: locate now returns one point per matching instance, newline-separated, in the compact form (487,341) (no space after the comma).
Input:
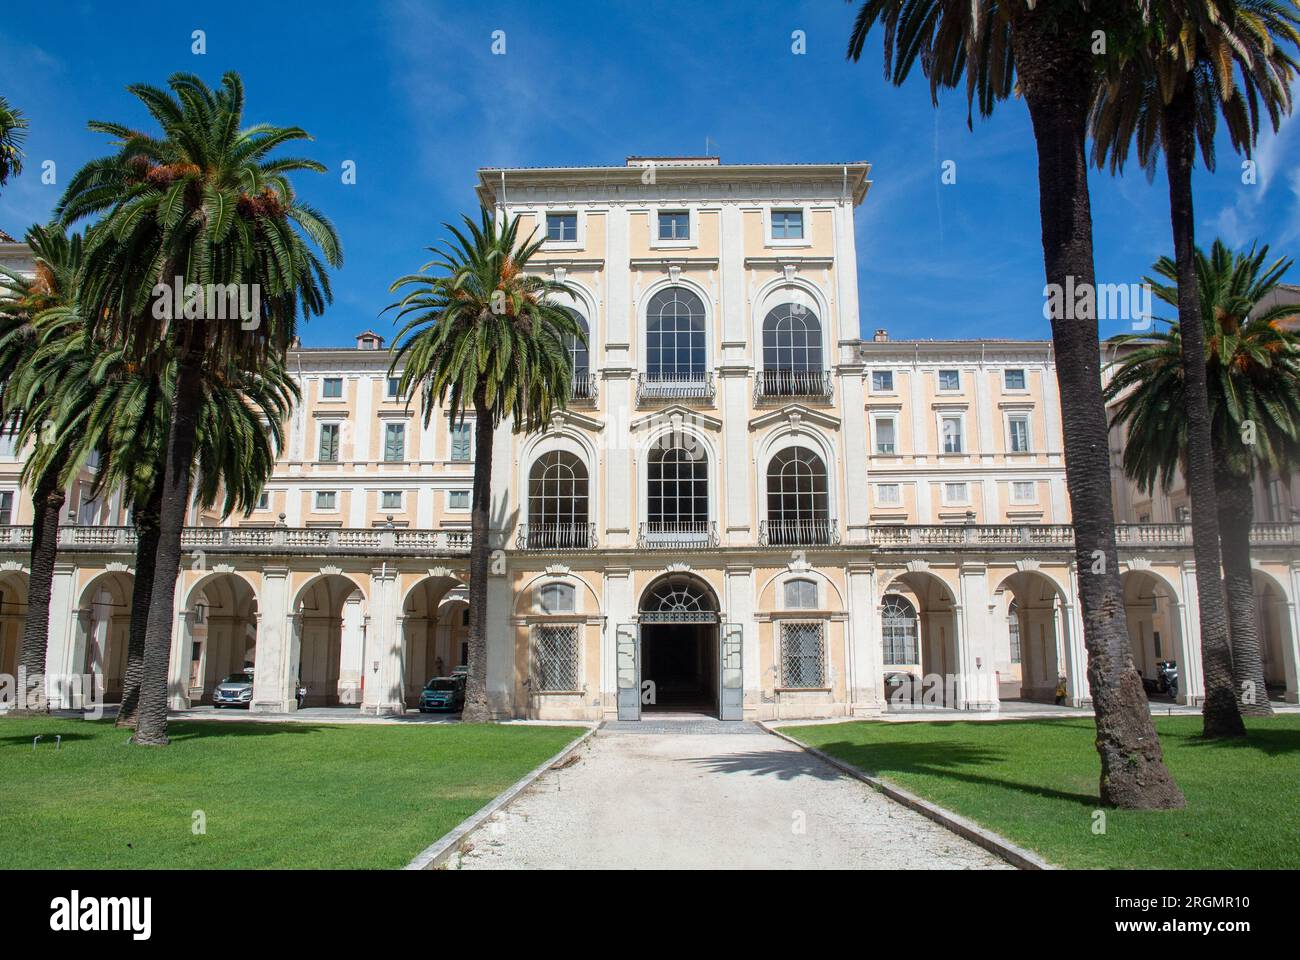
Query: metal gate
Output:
(627,670)
(731,678)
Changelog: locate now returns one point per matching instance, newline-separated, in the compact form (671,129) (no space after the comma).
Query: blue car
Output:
(443,694)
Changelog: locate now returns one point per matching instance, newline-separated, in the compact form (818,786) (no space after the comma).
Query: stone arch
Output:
(329,619)
(103,631)
(13,614)
(937,655)
(1274,612)
(221,616)
(1153,609)
(1031,636)
(433,631)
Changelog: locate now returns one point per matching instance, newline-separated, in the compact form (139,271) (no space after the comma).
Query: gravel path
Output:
(652,797)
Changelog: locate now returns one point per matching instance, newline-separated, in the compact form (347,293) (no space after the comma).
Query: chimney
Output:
(882,335)
(369,340)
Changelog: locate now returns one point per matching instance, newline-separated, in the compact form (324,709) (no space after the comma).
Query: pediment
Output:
(572,418)
(677,413)
(795,414)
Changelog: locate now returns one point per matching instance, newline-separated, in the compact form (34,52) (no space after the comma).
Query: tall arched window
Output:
(1013,629)
(675,345)
(580,360)
(792,352)
(798,505)
(677,490)
(557,502)
(898,630)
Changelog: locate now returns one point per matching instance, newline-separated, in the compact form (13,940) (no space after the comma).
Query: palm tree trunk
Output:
(47,508)
(1221,717)
(146,553)
(477,709)
(151,722)
(1055,70)
(1236,514)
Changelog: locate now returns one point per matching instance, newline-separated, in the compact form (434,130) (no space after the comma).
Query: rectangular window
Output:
(803,655)
(557,598)
(457,499)
(1013,631)
(331,388)
(882,381)
(1019,433)
(391,388)
(390,500)
(326,500)
(885,435)
(460,441)
(1276,504)
(954,493)
(1022,491)
(394,442)
(8,445)
(1183,514)
(562,226)
(87,513)
(555,657)
(889,494)
(329,443)
(675,226)
(800,595)
(951,427)
(949,380)
(264,500)
(6,508)
(787,224)
(1013,379)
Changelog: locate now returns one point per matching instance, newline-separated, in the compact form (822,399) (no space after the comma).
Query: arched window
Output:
(675,346)
(898,630)
(556,598)
(1013,630)
(792,352)
(798,506)
(677,490)
(580,359)
(557,502)
(677,598)
(800,595)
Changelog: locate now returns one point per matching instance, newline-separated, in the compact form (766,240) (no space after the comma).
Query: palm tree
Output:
(484,336)
(42,344)
(1253,381)
(203,203)
(13,131)
(240,435)
(1193,59)
(1043,51)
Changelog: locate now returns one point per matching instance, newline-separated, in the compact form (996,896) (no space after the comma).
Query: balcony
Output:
(680,385)
(774,386)
(584,388)
(684,535)
(555,536)
(798,533)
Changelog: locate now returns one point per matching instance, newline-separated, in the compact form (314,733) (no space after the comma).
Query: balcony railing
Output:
(798,533)
(772,386)
(679,385)
(556,536)
(584,388)
(686,535)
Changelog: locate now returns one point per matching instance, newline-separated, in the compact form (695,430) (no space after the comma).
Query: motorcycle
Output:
(1167,678)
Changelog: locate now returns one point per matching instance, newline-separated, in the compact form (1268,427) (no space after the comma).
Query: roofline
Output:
(855,171)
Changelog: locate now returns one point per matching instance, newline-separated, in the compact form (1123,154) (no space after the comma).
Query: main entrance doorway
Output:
(679,657)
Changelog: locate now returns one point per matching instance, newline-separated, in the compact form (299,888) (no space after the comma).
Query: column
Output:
(276,667)
(619,491)
(1078,690)
(1191,681)
(382,691)
(61,662)
(1291,655)
(501,640)
(738,479)
(857,518)
(620,607)
(351,653)
(866,661)
(738,607)
(976,656)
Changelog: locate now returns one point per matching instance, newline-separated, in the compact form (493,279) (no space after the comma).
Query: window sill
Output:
(802,690)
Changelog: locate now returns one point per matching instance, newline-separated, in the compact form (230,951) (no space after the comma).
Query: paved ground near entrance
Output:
(700,793)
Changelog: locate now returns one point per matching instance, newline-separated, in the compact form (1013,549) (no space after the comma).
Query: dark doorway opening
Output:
(681,660)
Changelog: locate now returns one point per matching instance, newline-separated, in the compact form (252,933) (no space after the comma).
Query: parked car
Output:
(234,691)
(461,671)
(443,693)
(901,687)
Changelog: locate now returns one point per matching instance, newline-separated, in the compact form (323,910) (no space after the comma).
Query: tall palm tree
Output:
(481,335)
(1253,382)
(240,436)
(13,131)
(1192,60)
(201,202)
(42,345)
(1043,51)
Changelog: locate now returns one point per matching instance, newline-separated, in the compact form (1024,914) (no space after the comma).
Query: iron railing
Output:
(798,533)
(679,385)
(775,385)
(681,535)
(584,388)
(555,536)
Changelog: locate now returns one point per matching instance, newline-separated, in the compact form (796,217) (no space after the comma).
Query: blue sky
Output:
(412,92)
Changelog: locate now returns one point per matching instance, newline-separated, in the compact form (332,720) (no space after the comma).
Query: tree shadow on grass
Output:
(200,730)
(949,761)
(25,740)
(1268,740)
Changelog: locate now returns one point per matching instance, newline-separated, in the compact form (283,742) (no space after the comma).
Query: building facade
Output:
(746,508)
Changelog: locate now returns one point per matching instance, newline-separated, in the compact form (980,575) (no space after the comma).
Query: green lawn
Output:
(1035,783)
(274,795)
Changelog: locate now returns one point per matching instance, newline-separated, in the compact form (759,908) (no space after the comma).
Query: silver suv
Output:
(234,691)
